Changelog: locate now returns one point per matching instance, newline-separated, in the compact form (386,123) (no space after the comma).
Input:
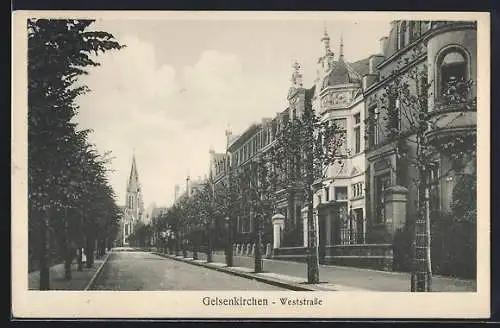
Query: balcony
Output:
(454,113)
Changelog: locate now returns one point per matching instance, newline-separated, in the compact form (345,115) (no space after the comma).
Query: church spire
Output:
(133,182)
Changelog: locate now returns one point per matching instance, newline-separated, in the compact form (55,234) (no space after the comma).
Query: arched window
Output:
(452,68)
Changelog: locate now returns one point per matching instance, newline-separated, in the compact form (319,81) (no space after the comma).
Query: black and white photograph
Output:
(251,164)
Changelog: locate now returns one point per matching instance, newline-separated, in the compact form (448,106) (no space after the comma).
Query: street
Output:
(131,271)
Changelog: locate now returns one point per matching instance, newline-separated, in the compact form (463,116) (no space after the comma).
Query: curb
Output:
(247,275)
(96,274)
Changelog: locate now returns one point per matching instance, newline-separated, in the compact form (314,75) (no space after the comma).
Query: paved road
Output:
(356,277)
(131,271)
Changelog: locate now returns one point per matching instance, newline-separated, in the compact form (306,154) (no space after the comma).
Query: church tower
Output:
(134,206)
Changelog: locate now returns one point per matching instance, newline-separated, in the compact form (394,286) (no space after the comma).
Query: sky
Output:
(178,85)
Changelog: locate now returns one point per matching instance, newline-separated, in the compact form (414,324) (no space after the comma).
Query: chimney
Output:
(373,62)
(368,80)
(229,135)
(176,192)
(383,44)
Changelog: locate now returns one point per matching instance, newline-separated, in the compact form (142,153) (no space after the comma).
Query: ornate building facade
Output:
(367,200)
(435,61)
(338,98)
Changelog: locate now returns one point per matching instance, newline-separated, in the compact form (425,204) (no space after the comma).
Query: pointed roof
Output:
(133,181)
(342,73)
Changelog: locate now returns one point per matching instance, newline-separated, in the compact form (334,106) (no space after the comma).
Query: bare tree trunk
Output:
(258,243)
(44,256)
(313,256)
(422,273)
(177,245)
(195,245)
(229,261)
(209,250)
(90,252)
(68,254)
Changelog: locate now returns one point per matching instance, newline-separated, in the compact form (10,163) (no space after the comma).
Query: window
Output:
(340,193)
(357,133)
(357,118)
(327,194)
(357,190)
(452,69)
(245,224)
(357,139)
(394,116)
(373,130)
(381,183)
(434,187)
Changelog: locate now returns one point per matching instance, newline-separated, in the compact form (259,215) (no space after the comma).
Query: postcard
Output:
(257,165)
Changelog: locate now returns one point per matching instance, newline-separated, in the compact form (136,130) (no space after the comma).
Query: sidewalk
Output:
(338,278)
(79,279)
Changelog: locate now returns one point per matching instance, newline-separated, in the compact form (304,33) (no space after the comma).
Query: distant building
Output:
(134,206)
(192,187)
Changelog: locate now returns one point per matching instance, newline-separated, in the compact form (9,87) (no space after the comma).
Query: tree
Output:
(305,147)
(261,195)
(407,123)
(58,53)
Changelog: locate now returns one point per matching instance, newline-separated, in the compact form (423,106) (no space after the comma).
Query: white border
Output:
(53,304)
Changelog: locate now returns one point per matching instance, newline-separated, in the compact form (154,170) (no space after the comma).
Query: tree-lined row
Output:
(71,203)
(304,147)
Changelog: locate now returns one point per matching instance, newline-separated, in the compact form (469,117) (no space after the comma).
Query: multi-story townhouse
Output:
(338,98)
(445,52)
(355,225)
